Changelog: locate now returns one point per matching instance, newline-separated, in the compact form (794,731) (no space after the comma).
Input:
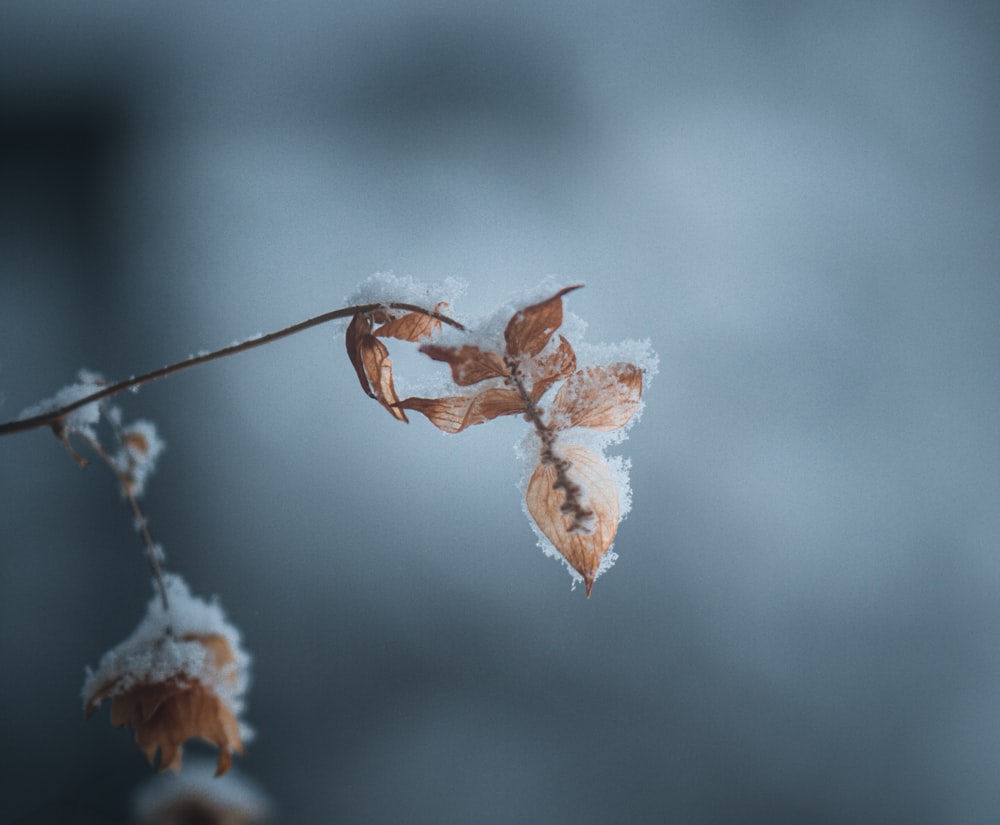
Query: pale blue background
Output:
(798,202)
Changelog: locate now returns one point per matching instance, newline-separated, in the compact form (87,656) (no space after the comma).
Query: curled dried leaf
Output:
(454,413)
(601,398)
(469,364)
(412,326)
(550,367)
(357,331)
(550,505)
(371,361)
(530,329)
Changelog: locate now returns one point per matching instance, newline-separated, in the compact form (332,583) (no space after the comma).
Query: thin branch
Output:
(52,417)
(140,518)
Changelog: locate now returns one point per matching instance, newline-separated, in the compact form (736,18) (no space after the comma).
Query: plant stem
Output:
(140,519)
(53,416)
(572,505)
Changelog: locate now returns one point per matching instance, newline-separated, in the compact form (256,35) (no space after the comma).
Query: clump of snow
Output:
(155,651)
(235,794)
(387,287)
(141,446)
(635,351)
(82,420)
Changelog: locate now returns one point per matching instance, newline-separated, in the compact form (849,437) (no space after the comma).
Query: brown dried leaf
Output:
(552,367)
(454,413)
(469,364)
(530,329)
(378,367)
(371,361)
(412,326)
(547,501)
(601,398)
(357,332)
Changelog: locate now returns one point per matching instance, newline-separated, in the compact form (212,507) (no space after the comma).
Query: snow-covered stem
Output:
(151,549)
(52,417)
(572,505)
(152,553)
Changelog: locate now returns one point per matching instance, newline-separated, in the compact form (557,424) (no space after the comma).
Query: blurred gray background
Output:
(798,202)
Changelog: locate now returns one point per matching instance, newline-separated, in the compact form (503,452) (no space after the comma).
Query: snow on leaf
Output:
(546,500)
(141,446)
(412,326)
(164,714)
(181,674)
(469,364)
(453,414)
(550,367)
(600,397)
(530,329)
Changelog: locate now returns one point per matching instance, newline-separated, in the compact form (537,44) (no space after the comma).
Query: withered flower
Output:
(171,683)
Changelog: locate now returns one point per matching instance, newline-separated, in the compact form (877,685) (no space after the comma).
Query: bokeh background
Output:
(799,203)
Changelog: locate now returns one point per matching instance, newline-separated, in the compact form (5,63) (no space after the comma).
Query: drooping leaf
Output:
(529,329)
(547,500)
(469,364)
(357,331)
(601,398)
(454,413)
(370,358)
(412,326)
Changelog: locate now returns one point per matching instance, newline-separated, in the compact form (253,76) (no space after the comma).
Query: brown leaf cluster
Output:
(166,713)
(572,494)
(525,373)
